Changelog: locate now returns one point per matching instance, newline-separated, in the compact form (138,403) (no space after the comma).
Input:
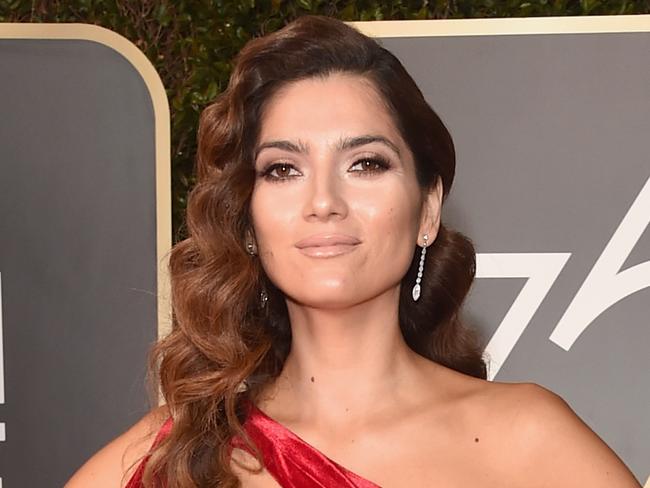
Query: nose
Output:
(325,195)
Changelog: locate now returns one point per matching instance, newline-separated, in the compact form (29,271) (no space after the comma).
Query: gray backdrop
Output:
(552,139)
(77,253)
(551,133)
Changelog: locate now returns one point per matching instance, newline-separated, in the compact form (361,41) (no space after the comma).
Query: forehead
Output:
(339,103)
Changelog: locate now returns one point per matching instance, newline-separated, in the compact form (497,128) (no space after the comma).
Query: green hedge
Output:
(191,43)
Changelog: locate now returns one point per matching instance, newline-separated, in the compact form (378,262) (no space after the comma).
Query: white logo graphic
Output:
(603,287)
(541,269)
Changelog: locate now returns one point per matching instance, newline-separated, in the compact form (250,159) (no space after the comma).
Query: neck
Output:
(346,364)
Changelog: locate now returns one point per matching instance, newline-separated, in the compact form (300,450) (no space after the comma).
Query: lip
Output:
(327,251)
(328,242)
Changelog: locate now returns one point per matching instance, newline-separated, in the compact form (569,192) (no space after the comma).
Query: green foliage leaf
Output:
(306,4)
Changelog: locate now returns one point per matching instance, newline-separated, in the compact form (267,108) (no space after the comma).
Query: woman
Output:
(317,300)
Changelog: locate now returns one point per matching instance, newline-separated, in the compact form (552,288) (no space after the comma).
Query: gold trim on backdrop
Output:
(504,26)
(128,50)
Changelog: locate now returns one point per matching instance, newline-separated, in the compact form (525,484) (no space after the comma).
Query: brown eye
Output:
(372,165)
(282,172)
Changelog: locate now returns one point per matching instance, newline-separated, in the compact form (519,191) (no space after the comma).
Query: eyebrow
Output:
(342,145)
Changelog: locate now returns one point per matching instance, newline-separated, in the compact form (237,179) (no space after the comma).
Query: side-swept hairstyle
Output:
(224,347)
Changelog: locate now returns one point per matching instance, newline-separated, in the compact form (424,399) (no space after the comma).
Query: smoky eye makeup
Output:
(281,169)
(362,166)
(372,164)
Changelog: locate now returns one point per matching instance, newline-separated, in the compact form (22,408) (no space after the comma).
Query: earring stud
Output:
(416,289)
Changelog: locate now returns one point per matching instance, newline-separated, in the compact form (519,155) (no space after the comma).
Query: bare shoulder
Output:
(548,444)
(114,464)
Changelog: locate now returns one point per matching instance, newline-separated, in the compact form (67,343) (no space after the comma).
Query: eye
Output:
(374,164)
(282,174)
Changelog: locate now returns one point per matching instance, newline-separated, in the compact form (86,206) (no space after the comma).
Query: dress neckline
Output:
(286,430)
(256,414)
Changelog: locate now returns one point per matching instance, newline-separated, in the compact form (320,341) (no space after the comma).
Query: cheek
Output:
(274,217)
(393,235)
(269,210)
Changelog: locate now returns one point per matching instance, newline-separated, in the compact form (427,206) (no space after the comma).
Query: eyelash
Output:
(382,163)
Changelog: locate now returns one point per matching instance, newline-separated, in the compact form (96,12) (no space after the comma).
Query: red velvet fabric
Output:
(292,461)
(289,459)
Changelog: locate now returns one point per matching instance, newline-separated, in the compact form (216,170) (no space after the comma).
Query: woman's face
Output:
(332,167)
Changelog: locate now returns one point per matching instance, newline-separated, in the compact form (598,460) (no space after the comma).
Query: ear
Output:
(431,210)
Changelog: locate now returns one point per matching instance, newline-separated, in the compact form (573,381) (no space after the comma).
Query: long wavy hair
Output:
(224,347)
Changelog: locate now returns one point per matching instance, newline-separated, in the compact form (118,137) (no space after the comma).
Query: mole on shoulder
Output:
(475,439)
(312,379)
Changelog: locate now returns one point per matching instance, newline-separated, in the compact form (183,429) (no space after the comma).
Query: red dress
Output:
(289,459)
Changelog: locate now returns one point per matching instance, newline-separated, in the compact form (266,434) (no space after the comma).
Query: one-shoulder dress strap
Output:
(291,460)
(136,479)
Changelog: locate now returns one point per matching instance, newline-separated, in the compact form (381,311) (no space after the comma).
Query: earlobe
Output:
(432,208)
(438,203)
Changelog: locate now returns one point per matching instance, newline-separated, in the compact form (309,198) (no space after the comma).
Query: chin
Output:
(325,298)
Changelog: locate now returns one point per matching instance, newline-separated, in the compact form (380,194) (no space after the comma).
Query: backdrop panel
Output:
(551,131)
(82,150)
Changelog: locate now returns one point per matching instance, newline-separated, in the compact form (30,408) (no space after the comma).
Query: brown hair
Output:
(221,338)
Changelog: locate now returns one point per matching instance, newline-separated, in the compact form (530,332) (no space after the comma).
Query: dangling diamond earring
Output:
(250,246)
(263,295)
(416,288)
(263,298)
